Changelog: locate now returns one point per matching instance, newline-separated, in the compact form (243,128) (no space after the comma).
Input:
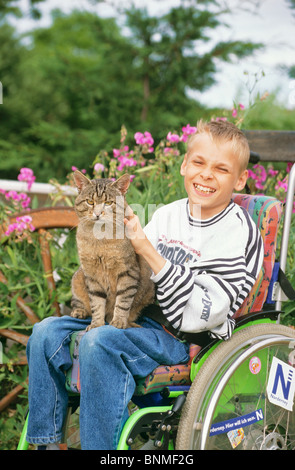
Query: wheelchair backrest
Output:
(266,213)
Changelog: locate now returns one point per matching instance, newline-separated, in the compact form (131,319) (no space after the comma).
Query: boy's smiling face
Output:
(211,173)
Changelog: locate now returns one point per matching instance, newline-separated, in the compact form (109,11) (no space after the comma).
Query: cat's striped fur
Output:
(113,282)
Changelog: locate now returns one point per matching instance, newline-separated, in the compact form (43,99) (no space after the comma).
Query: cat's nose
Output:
(98,214)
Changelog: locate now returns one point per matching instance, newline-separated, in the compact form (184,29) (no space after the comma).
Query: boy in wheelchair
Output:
(205,253)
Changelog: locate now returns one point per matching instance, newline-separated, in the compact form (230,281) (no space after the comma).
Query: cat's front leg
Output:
(127,286)
(80,300)
(97,304)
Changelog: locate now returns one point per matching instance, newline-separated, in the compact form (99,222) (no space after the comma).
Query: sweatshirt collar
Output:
(212,220)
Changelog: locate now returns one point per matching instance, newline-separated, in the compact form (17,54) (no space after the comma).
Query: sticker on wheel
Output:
(236,437)
(255,365)
(281,384)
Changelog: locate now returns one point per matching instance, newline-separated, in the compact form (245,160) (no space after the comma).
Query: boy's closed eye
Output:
(223,169)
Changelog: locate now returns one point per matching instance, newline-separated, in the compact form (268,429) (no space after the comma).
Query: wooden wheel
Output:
(43,220)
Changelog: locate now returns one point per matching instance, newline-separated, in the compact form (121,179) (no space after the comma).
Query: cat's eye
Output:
(90,202)
(108,203)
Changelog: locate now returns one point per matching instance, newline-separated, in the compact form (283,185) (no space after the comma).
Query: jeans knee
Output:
(98,338)
(42,332)
(43,328)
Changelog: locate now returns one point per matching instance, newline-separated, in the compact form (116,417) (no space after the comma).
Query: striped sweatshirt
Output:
(211,266)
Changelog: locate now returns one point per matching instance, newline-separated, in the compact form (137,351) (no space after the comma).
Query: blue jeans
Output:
(110,361)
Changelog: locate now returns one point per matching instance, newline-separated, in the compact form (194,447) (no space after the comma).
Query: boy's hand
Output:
(134,230)
(140,242)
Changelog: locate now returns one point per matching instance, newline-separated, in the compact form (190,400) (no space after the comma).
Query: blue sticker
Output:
(236,423)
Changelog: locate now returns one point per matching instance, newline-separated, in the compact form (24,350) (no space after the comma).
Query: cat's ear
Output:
(80,180)
(122,183)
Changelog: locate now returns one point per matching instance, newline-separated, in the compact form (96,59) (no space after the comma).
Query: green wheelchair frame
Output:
(228,405)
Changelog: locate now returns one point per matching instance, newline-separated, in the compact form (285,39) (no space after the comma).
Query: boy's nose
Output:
(206,173)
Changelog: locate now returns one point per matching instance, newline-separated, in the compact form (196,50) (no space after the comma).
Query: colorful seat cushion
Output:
(266,213)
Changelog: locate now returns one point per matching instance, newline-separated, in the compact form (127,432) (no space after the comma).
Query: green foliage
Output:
(270,115)
(12,420)
(68,88)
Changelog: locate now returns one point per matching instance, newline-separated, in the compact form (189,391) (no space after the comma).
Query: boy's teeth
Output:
(205,189)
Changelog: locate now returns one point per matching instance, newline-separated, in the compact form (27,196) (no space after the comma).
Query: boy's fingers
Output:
(129,214)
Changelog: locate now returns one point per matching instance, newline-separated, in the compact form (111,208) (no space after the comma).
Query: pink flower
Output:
(259,176)
(261,173)
(187,130)
(219,119)
(27,219)
(21,224)
(282,184)
(235,112)
(23,198)
(25,204)
(144,139)
(98,167)
(138,136)
(26,174)
(259,185)
(272,172)
(289,166)
(173,138)
(12,195)
(116,153)
(241,106)
(74,168)
(251,174)
(125,161)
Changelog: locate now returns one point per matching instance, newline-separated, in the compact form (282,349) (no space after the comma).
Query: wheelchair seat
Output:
(266,213)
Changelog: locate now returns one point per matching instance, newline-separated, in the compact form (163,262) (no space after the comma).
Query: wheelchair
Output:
(236,394)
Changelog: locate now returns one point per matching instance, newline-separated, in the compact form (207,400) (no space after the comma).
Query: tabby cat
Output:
(113,282)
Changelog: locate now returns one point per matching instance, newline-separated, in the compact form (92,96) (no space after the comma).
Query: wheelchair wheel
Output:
(228,406)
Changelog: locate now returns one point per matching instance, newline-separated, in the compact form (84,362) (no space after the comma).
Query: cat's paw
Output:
(79,313)
(120,323)
(93,325)
(132,324)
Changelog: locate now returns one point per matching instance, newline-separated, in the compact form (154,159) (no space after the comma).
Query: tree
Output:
(73,93)
(170,61)
(10,7)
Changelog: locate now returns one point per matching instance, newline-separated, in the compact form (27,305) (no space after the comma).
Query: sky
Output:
(268,21)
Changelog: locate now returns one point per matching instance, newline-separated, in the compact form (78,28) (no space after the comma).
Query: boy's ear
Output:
(80,180)
(242,180)
(183,166)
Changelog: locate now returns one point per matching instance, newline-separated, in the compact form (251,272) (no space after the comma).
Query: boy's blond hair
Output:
(227,132)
